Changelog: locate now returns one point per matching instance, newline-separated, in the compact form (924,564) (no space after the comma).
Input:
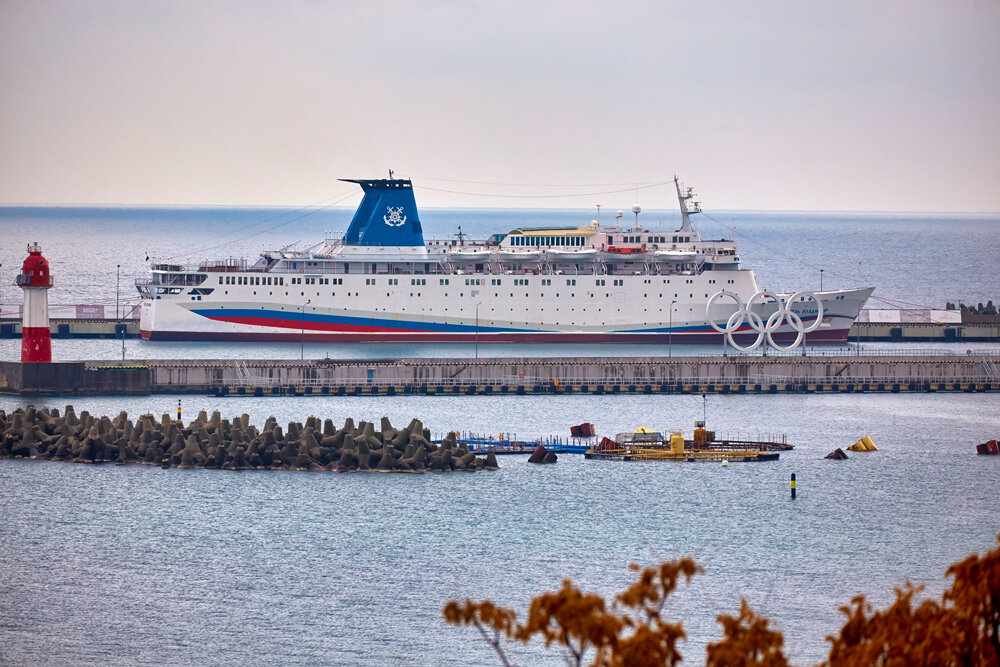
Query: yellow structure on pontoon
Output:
(865,444)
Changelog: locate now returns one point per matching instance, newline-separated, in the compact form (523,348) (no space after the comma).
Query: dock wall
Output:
(64,378)
(77,328)
(739,374)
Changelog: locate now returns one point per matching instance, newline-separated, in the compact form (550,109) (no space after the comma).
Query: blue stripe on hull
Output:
(293,320)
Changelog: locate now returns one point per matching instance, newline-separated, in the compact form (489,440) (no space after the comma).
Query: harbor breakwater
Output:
(905,371)
(214,442)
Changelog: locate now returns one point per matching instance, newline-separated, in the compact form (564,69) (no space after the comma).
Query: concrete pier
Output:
(78,328)
(734,374)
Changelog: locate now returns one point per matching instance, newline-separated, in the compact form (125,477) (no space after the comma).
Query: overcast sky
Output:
(869,105)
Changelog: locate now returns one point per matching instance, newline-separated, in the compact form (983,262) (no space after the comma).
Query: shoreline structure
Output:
(214,442)
(913,371)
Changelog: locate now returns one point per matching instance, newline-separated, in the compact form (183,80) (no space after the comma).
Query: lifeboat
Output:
(581,255)
(675,255)
(469,254)
(623,254)
(517,256)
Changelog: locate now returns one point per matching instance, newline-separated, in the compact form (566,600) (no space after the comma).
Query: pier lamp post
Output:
(302,334)
(119,316)
(670,331)
(821,280)
(477,328)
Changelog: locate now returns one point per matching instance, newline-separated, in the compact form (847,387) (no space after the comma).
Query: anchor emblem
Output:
(395,217)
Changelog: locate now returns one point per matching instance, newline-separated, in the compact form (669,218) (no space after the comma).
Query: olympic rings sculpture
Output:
(765,330)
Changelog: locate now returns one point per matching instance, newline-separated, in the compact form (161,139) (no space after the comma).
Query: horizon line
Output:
(483,208)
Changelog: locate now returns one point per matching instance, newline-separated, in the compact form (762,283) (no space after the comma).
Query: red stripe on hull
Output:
(331,327)
(830,336)
(36,345)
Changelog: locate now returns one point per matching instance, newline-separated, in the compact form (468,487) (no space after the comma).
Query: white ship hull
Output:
(444,313)
(384,283)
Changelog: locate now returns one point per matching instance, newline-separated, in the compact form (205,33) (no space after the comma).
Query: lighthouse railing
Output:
(23,279)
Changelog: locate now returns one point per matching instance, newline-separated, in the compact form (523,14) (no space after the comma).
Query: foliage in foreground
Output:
(963,628)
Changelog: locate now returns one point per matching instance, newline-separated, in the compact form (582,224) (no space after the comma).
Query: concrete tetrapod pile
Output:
(231,445)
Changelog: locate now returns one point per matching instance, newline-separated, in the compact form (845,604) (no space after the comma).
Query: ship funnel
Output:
(387,215)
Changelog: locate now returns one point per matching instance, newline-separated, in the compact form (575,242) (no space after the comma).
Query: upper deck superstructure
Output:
(384,282)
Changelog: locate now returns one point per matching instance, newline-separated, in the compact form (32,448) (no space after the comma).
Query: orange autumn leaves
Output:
(631,631)
(962,629)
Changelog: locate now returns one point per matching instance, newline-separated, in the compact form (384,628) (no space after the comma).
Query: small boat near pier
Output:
(644,444)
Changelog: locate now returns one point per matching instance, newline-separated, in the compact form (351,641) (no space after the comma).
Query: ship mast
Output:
(686,211)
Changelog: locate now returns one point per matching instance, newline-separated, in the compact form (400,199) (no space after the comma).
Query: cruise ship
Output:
(383,282)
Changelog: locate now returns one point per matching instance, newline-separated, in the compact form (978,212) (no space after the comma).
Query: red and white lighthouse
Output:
(35,279)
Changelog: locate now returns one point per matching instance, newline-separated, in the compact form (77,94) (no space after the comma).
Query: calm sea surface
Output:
(137,565)
(926,260)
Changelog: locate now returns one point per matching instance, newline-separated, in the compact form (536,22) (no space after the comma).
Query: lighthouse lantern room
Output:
(35,279)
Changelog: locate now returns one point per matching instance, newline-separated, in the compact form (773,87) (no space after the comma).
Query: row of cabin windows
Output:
(649,239)
(640,239)
(265,280)
(547,240)
(250,280)
(268,280)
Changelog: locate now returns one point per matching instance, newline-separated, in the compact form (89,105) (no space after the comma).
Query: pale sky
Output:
(795,105)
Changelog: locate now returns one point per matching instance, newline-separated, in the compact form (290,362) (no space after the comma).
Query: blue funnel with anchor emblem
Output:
(387,215)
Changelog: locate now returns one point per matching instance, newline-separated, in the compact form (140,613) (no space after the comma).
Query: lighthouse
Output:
(35,279)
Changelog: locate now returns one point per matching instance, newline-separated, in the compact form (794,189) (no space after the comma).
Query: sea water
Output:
(925,260)
(138,565)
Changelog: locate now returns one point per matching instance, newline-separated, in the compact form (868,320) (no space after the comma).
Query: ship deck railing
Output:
(441,265)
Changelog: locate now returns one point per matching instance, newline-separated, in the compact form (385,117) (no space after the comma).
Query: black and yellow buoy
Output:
(178,410)
(793,486)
